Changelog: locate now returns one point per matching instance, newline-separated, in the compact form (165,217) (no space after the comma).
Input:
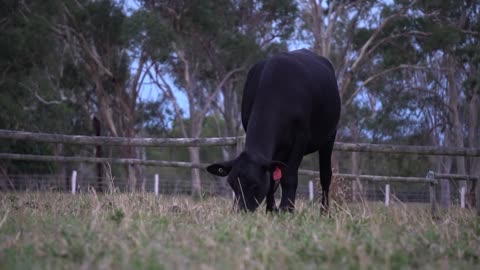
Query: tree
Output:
(94,33)
(34,80)
(454,30)
(351,34)
(212,44)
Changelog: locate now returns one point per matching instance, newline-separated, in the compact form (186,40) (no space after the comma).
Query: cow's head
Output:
(248,177)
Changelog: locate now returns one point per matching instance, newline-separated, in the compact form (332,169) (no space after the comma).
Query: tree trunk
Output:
(453,96)
(132,177)
(131,169)
(196,181)
(473,135)
(141,169)
(358,191)
(357,187)
(445,166)
(98,153)
(61,172)
(445,187)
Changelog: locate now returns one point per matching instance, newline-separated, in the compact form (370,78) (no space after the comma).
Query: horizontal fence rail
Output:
(182,164)
(407,149)
(116,141)
(159,163)
(456,176)
(189,142)
(373,178)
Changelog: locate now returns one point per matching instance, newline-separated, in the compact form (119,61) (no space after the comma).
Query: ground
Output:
(141,231)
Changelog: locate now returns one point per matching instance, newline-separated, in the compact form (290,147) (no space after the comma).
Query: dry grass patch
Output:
(129,231)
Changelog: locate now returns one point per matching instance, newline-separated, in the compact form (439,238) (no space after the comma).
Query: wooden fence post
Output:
(387,195)
(433,195)
(477,195)
(74,182)
(239,145)
(462,197)
(156,185)
(310,190)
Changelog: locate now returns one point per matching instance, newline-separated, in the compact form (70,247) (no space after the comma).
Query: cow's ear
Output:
(221,168)
(277,169)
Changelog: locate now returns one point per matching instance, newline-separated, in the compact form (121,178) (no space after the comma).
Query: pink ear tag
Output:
(277,174)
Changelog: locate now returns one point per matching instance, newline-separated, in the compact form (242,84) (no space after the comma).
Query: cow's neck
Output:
(262,135)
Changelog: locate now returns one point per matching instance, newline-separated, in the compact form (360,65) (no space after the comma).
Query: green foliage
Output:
(442,36)
(36,88)
(148,32)
(117,216)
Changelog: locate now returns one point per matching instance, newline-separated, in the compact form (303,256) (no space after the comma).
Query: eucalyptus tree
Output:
(413,68)
(35,83)
(93,36)
(439,91)
(351,34)
(451,83)
(207,48)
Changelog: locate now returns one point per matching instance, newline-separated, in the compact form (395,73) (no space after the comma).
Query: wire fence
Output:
(171,186)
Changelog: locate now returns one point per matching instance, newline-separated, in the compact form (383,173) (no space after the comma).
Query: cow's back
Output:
(301,87)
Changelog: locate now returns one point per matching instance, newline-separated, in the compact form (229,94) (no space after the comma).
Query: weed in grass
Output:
(117,216)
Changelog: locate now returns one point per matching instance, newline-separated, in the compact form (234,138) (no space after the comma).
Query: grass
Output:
(140,231)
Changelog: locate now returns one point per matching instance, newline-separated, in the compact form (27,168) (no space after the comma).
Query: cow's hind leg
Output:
(325,166)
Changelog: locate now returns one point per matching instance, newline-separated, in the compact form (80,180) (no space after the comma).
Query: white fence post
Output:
(387,195)
(310,190)
(156,185)
(462,197)
(74,182)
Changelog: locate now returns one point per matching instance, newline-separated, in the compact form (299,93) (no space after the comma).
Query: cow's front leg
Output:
(289,192)
(271,206)
(290,181)
(270,200)
(289,186)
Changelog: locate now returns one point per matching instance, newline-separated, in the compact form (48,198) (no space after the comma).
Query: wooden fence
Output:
(431,178)
(188,142)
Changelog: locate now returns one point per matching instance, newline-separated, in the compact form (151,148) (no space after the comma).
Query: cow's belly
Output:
(319,139)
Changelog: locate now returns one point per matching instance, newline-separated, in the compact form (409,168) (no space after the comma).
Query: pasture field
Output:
(141,231)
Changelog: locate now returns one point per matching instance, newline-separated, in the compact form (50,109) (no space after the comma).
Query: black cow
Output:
(290,108)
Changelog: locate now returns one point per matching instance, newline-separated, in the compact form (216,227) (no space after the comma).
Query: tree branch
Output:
(362,54)
(39,98)
(383,72)
(392,37)
(168,92)
(136,78)
(218,88)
